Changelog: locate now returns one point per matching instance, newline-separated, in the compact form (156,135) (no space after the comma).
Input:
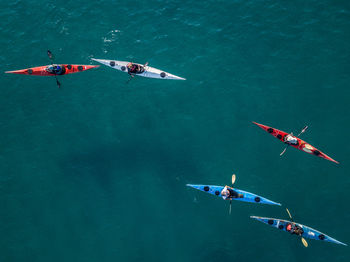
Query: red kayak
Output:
(301,144)
(48,70)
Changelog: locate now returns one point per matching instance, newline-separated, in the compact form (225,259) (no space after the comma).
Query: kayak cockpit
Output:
(135,68)
(294,229)
(229,193)
(56,69)
(290,139)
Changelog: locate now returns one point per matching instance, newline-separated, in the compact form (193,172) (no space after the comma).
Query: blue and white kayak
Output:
(245,196)
(146,71)
(307,232)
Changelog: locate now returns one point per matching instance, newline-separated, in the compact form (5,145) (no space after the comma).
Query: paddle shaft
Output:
(290,216)
(131,77)
(51,59)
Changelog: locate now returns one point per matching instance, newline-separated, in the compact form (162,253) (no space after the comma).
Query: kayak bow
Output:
(301,145)
(149,72)
(308,232)
(247,196)
(41,70)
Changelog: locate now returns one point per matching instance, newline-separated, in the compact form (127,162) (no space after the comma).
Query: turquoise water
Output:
(96,170)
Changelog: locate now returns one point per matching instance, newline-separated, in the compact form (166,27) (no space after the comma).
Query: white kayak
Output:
(145,71)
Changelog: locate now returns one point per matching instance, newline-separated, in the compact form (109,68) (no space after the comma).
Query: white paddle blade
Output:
(290,216)
(304,242)
(304,129)
(233,179)
(283,151)
(229,212)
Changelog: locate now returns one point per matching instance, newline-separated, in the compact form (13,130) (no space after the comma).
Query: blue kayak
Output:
(304,231)
(244,195)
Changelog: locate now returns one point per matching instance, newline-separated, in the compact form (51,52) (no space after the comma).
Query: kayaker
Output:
(294,229)
(229,193)
(290,139)
(56,69)
(133,68)
(298,230)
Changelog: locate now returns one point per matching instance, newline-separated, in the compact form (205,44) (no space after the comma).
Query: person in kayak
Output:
(134,68)
(294,229)
(290,139)
(56,69)
(229,193)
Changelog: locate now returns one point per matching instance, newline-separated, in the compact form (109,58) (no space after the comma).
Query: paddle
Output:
(302,131)
(304,242)
(132,76)
(51,59)
(290,216)
(302,239)
(233,179)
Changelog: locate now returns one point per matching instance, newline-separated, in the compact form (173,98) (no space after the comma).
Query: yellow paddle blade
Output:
(289,213)
(233,178)
(304,242)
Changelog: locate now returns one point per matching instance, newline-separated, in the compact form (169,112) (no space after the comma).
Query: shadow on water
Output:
(132,162)
(129,192)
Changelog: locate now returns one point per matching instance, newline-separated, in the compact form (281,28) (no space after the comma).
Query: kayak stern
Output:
(21,72)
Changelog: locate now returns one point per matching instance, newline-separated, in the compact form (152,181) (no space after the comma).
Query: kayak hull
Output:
(302,145)
(247,196)
(309,232)
(41,70)
(149,72)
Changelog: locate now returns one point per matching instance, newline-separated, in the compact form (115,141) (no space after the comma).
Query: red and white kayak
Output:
(302,145)
(44,70)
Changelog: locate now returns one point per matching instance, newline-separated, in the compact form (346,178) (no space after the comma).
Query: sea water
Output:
(96,170)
